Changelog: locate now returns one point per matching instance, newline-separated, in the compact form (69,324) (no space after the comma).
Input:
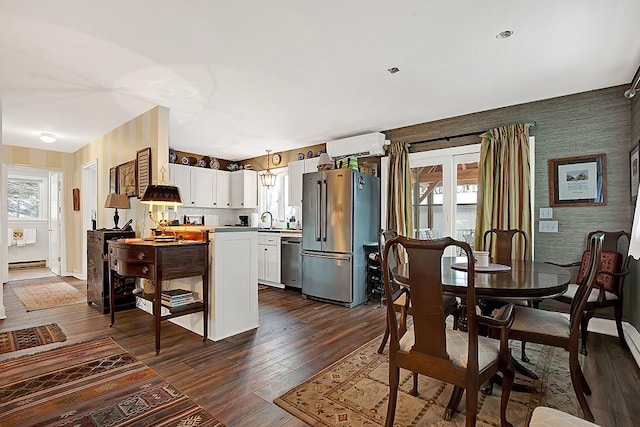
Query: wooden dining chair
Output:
(609,287)
(466,360)
(450,302)
(555,329)
(500,243)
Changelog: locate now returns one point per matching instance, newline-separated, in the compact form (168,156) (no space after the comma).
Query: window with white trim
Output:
(27,198)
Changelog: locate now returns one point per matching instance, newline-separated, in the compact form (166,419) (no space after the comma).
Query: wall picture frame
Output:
(578,181)
(113,180)
(634,172)
(143,170)
(127,178)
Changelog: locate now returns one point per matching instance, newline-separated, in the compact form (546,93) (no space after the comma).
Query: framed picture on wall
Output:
(578,181)
(143,170)
(113,180)
(634,176)
(127,178)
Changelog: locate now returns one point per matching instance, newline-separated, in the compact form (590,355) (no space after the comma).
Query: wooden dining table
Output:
(509,280)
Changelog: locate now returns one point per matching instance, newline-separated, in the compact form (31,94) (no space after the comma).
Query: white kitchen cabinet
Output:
(244,189)
(203,184)
(180,176)
(295,171)
(221,188)
(201,187)
(269,259)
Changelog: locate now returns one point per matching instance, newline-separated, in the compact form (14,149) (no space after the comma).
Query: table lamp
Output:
(162,195)
(117,201)
(634,243)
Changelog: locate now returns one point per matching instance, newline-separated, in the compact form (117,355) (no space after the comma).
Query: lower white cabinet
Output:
(269,258)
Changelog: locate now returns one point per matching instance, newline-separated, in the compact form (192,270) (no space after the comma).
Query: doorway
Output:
(89,207)
(34,213)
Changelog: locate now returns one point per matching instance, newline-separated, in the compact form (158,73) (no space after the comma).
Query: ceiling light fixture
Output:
(268,178)
(393,70)
(504,34)
(48,138)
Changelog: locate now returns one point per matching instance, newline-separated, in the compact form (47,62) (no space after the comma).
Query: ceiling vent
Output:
(370,144)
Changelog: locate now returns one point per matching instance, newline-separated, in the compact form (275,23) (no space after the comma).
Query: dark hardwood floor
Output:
(236,379)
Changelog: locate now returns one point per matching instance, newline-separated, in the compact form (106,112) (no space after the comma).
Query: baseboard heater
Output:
(27,264)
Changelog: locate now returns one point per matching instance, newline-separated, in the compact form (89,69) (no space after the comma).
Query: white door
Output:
(444,193)
(55,211)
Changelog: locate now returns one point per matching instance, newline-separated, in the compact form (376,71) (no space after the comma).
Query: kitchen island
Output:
(233,282)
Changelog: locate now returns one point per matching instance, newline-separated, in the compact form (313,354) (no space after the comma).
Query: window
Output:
(26,198)
(275,199)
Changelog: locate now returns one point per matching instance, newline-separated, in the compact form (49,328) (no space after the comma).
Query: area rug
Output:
(30,337)
(47,292)
(96,383)
(354,391)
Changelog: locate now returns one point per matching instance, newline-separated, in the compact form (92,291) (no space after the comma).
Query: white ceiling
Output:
(243,76)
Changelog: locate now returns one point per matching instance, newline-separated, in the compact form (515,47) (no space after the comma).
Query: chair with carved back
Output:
(555,329)
(608,290)
(500,243)
(427,346)
(451,304)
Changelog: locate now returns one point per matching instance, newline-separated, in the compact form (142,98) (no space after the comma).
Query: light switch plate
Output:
(548,226)
(546,213)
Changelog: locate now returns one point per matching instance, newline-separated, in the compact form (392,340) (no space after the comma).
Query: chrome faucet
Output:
(264,216)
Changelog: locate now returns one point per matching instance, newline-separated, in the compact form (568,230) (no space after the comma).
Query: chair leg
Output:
(523,352)
(454,401)
(618,316)
(384,340)
(585,384)
(508,375)
(584,329)
(414,390)
(574,369)
(471,406)
(394,379)
(456,319)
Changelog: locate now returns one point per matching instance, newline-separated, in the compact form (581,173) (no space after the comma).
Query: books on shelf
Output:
(178,297)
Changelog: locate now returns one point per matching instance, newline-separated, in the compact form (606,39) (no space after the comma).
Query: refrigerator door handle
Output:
(318,224)
(332,256)
(325,214)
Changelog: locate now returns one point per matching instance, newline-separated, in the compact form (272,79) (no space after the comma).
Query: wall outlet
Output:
(546,213)
(548,226)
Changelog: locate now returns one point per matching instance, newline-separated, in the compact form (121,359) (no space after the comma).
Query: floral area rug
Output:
(30,337)
(354,392)
(47,292)
(96,383)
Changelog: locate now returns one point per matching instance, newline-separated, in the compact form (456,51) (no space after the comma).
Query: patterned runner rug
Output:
(354,391)
(30,337)
(95,383)
(47,292)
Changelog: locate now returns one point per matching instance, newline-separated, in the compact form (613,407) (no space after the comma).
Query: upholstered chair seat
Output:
(548,417)
(544,322)
(457,348)
(593,296)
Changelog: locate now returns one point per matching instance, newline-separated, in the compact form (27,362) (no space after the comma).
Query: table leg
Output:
(112,307)
(157,312)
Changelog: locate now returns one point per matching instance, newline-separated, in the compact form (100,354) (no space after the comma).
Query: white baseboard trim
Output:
(608,327)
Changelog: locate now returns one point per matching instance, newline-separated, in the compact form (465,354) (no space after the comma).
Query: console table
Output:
(158,262)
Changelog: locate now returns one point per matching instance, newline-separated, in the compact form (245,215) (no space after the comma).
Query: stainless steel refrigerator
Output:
(340,212)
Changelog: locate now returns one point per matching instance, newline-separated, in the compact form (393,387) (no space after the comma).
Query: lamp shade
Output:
(161,195)
(118,201)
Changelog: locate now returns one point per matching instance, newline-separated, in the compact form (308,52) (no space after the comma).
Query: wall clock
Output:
(276,159)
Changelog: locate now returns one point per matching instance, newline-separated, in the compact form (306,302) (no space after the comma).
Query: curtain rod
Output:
(532,124)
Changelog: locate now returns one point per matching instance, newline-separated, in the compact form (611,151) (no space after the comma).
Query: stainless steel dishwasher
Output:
(291,262)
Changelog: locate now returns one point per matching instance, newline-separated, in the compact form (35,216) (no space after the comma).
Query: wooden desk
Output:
(158,262)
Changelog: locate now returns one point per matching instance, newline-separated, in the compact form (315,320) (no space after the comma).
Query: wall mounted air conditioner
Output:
(370,144)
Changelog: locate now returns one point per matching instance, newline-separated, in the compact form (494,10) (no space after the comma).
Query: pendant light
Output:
(268,178)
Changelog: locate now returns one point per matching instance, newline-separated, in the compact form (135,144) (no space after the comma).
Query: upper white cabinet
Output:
(221,189)
(201,187)
(244,189)
(295,171)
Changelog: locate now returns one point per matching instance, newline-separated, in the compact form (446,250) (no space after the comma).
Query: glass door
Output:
(444,192)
